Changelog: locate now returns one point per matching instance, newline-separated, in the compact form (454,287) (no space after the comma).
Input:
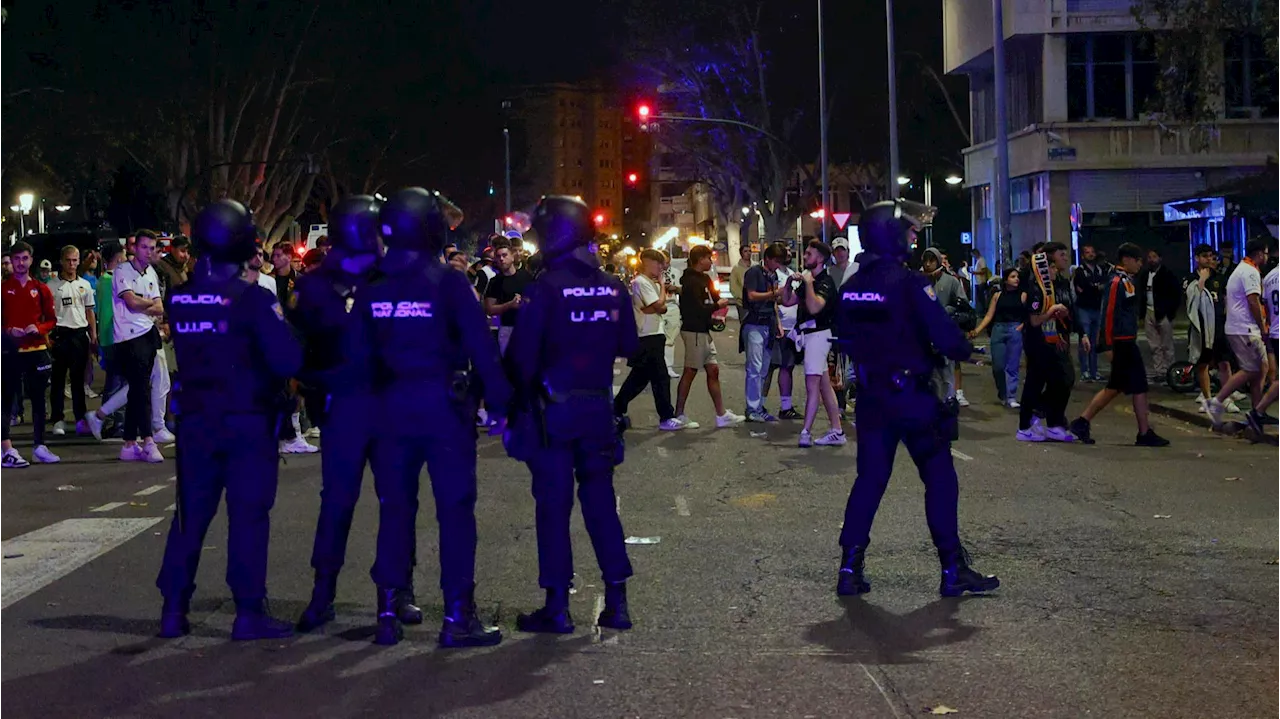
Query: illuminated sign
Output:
(1198,209)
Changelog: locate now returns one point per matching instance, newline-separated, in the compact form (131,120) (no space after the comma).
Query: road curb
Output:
(1200,419)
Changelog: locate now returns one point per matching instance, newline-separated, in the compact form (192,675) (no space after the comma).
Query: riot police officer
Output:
(235,350)
(337,394)
(420,326)
(893,329)
(561,357)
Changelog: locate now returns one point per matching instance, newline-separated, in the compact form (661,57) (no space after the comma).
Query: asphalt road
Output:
(1137,582)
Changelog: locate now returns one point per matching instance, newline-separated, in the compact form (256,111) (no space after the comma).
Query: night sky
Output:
(438,70)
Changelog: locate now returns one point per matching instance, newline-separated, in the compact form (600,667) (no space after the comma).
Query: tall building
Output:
(575,137)
(1082,141)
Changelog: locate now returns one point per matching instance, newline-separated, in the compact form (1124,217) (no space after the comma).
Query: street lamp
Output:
(26,201)
(903,180)
(62,208)
(954,179)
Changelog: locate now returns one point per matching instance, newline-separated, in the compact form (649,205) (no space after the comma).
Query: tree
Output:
(712,63)
(1188,40)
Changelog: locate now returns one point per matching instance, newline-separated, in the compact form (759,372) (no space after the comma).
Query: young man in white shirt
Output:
(74,335)
(137,307)
(648,366)
(1246,326)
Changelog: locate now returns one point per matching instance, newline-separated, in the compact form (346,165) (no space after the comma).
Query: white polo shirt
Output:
(128,324)
(1245,280)
(70,300)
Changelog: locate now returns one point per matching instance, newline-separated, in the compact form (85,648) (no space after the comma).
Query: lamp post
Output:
(506,141)
(25,202)
(893,103)
(1000,186)
(822,101)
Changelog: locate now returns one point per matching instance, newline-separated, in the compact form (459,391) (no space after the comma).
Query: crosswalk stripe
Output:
(960,455)
(46,555)
(150,490)
(108,507)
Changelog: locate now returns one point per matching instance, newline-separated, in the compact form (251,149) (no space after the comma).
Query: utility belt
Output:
(555,396)
(899,380)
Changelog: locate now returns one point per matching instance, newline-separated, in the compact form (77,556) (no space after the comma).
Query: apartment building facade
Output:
(1088,161)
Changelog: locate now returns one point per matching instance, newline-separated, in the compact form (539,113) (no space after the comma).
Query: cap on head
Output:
(417,219)
(224,232)
(563,224)
(839,243)
(883,230)
(354,225)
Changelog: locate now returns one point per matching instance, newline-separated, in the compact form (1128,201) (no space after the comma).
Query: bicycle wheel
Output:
(1181,377)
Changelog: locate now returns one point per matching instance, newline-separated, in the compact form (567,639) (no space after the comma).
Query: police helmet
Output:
(224,232)
(563,224)
(883,227)
(354,225)
(417,219)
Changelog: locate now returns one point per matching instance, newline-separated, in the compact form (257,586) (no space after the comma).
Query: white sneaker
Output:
(729,419)
(1215,410)
(298,445)
(149,452)
(131,453)
(482,417)
(671,425)
(313,433)
(88,392)
(95,425)
(1058,434)
(834,438)
(1202,404)
(687,423)
(42,455)
(67,391)
(1238,396)
(1231,406)
(806,439)
(1033,434)
(1014,404)
(163,436)
(960,400)
(59,429)
(673,374)
(13,460)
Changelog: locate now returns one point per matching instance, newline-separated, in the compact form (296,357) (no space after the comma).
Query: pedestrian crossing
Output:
(37,559)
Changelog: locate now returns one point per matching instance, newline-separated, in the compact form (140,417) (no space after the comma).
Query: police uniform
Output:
(562,352)
(420,327)
(235,349)
(338,395)
(893,329)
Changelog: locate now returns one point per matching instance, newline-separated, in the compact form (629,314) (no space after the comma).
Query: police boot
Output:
(615,614)
(958,577)
(389,632)
(407,609)
(553,618)
(173,618)
(852,582)
(461,626)
(320,611)
(253,622)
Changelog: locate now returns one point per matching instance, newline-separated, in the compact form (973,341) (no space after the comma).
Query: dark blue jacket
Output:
(322,313)
(889,320)
(418,329)
(1119,311)
(233,345)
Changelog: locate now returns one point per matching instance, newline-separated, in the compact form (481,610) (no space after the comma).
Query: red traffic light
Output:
(643,111)
(633,178)
(599,218)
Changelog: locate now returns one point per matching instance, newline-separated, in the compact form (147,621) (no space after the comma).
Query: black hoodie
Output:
(698,300)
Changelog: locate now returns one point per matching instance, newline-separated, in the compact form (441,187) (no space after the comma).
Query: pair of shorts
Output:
(783,353)
(1250,352)
(1128,373)
(699,349)
(816,347)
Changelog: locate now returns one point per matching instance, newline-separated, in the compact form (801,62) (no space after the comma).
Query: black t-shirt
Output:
(284,287)
(1035,336)
(504,288)
(1009,307)
(825,287)
(758,312)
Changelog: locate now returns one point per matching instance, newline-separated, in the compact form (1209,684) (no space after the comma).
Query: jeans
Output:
(1160,339)
(1006,356)
(756,338)
(1089,324)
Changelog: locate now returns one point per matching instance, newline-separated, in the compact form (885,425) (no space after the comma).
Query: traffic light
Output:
(643,112)
(491,190)
(599,218)
(633,178)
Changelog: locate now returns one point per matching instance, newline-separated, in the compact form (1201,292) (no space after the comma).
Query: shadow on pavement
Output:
(311,677)
(872,635)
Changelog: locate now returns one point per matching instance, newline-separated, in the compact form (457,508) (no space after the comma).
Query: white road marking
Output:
(616,371)
(887,700)
(595,617)
(108,507)
(171,508)
(616,389)
(682,506)
(617,504)
(53,552)
(174,478)
(153,489)
(960,455)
